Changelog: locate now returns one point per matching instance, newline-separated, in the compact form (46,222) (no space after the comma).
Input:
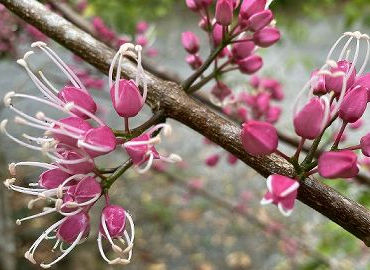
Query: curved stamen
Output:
(148,164)
(12,166)
(71,105)
(172,158)
(44,213)
(59,62)
(103,149)
(65,253)
(366,57)
(151,141)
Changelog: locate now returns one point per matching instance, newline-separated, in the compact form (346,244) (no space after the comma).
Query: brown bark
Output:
(170,98)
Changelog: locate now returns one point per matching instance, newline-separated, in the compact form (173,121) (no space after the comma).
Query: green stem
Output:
(108,182)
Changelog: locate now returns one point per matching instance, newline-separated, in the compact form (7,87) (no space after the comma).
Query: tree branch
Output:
(169,97)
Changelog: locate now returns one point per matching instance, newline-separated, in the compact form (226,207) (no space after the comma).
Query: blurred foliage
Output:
(123,15)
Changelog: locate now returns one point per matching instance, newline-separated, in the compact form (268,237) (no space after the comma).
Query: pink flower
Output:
(338,164)
(194,61)
(273,114)
(70,126)
(364,81)
(250,64)
(242,50)
(53,178)
(260,20)
(310,120)
(221,91)
(190,42)
(224,12)
(98,141)
(217,34)
(354,104)
(259,138)
(113,226)
(251,7)
(365,145)
(282,191)
(266,37)
(141,149)
(334,82)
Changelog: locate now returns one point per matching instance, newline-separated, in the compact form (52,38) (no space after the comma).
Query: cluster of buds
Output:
(71,183)
(143,36)
(252,105)
(238,29)
(335,97)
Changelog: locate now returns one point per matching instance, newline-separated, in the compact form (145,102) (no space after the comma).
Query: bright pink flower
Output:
(251,7)
(53,178)
(354,104)
(242,50)
(365,145)
(141,40)
(308,122)
(74,125)
(87,191)
(80,98)
(262,102)
(192,5)
(282,191)
(212,160)
(77,163)
(126,99)
(224,12)
(115,220)
(318,83)
(254,81)
(364,81)
(274,87)
(250,64)
(243,113)
(217,34)
(260,20)
(338,164)
(190,42)
(142,27)
(74,227)
(273,114)
(98,141)
(266,37)
(259,138)
(335,83)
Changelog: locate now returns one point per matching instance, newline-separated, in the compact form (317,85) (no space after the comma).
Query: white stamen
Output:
(148,165)
(151,141)
(19,221)
(172,158)
(103,149)
(8,98)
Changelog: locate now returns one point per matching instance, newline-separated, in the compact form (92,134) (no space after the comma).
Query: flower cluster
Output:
(142,37)
(237,29)
(72,183)
(255,104)
(334,98)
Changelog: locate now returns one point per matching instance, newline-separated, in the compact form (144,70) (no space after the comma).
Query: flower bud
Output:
(231,159)
(260,20)
(354,104)
(192,5)
(224,12)
(221,91)
(142,27)
(273,114)
(69,230)
(212,160)
(340,164)
(242,50)
(254,81)
(142,40)
(308,122)
(250,64)
(365,145)
(217,34)
(129,102)
(87,189)
(194,61)
(262,102)
(190,42)
(266,37)
(115,220)
(251,7)
(259,138)
(70,94)
(282,191)
(274,87)
(243,113)
(335,83)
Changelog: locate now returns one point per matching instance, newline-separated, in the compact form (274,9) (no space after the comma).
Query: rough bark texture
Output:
(168,96)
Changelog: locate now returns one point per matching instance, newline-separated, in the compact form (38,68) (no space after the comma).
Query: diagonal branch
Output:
(170,98)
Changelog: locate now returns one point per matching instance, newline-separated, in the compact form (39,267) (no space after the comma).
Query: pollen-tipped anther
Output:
(8,98)
(11,168)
